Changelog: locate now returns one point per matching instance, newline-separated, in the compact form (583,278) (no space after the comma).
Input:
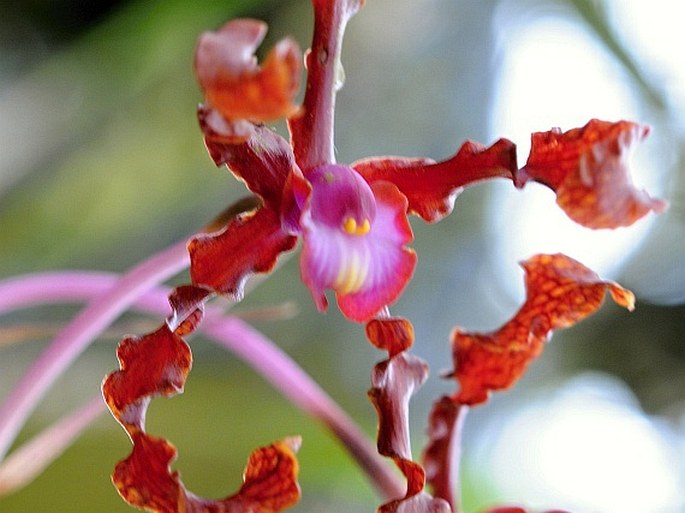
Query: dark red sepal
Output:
(393,335)
(251,243)
(155,364)
(432,187)
(145,480)
(264,161)
(394,381)
(441,457)
(187,306)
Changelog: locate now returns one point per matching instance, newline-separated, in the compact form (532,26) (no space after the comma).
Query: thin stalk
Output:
(293,382)
(259,352)
(312,130)
(453,472)
(29,460)
(79,333)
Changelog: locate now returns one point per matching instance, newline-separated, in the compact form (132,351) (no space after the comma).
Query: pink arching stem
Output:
(79,333)
(235,335)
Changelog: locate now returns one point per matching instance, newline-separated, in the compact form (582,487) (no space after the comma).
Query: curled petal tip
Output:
(235,84)
(560,292)
(589,169)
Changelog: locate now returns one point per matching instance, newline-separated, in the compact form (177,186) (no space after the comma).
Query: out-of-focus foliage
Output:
(100,148)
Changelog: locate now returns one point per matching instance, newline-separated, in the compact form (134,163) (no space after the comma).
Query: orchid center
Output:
(342,199)
(351,227)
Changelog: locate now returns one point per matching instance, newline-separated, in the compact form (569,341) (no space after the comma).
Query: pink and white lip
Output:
(354,241)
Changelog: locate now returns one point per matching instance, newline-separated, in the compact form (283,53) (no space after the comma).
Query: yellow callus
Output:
(351,227)
(352,274)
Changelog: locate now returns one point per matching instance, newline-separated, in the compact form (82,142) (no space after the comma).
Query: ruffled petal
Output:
(145,480)
(391,334)
(394,381)
(366,271)
(235,84)
(432,187)
(588,168)
(250,244)
(264,161)
(158,364)
(560,293)
(441,457)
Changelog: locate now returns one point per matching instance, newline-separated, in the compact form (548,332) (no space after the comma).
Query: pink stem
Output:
(24,464)
(289,378)
(79,333)
(265,357)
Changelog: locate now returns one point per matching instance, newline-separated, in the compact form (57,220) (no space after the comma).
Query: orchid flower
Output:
(352,219)
(352,223)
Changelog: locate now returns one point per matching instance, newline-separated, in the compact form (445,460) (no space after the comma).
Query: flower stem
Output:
(312,130)
(293,382)
(259,352)
(27,462)
(79,333)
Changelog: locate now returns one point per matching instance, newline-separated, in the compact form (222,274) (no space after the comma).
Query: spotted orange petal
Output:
(145,480)
(393,335)
(560,292)
(588,168)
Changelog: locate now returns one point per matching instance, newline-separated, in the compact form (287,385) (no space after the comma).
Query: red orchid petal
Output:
(145,480)
(233,82)
(157,364)
(393,335)
(560,292)
(393,383)
(588,169)
(250,244)
(441,456)
(187,305)
(264,161)
(431,187)
(270,477)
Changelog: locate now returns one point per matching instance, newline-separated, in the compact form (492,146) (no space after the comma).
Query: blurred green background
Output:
(102,164)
